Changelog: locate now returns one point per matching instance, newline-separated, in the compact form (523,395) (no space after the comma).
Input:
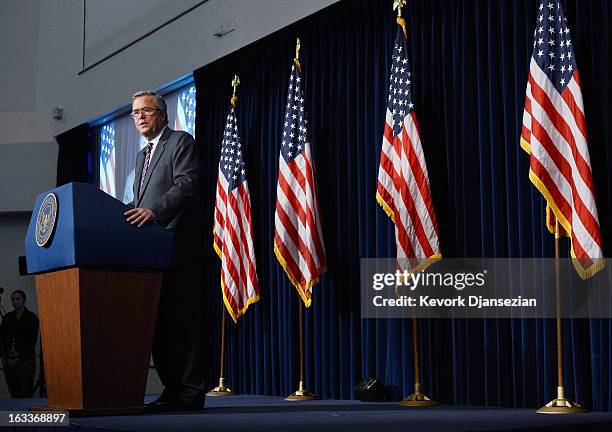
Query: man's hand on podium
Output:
(139,216)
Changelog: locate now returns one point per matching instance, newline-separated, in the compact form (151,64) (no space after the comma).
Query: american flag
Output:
(185,111)
(403,184)
(107,159)
(233,233)
(554,134)
(298,239)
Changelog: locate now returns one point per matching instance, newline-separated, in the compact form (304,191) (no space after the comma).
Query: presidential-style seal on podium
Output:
(45,221)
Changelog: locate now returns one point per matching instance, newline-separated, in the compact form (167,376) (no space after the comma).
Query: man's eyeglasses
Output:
(144,111)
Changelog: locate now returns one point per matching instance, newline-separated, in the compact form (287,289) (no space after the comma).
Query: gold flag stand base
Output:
(221,390)
(561,405)
(301,394)
(417,399)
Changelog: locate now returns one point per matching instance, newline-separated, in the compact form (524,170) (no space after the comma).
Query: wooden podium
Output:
(98,281)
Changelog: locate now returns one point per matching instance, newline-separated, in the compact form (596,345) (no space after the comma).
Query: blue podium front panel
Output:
(90,231)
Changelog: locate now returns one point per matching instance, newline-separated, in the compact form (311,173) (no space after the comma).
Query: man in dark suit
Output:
(165,192)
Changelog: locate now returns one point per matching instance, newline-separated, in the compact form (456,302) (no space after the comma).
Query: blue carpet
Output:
(273,414)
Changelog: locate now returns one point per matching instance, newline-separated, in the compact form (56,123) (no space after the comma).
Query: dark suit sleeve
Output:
(184,180)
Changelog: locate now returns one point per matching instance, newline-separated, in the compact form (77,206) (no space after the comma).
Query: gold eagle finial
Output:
(297,49)
(235,84)
(399,4)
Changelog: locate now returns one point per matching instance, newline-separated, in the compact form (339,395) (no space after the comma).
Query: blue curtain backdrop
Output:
(469,65)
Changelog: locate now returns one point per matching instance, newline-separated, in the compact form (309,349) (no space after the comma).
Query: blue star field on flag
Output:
(232,157)
(294,135)
(187,104)
(553,45)
(400,95)
(107,142)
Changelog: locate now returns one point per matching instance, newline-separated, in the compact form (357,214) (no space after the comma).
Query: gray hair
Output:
(159,101)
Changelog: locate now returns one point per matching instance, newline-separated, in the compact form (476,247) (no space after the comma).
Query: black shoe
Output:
(163,398)
(177,404)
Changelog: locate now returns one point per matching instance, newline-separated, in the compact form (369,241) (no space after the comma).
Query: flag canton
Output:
(187,102)
(552,45)
(294,135)
(232,158)
(400,96)
(107,142)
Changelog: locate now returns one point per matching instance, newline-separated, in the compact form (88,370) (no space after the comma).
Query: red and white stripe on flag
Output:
(554,134)
(403,183)
(298,238)
(233,232)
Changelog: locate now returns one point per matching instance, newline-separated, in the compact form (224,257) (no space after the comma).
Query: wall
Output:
(26,140)
(27,153)
(41,47)
(177,49)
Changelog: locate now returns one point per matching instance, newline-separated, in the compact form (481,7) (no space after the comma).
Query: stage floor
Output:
(271,414)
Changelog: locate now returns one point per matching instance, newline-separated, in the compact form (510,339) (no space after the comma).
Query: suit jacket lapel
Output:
(137,173)
(159,149)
